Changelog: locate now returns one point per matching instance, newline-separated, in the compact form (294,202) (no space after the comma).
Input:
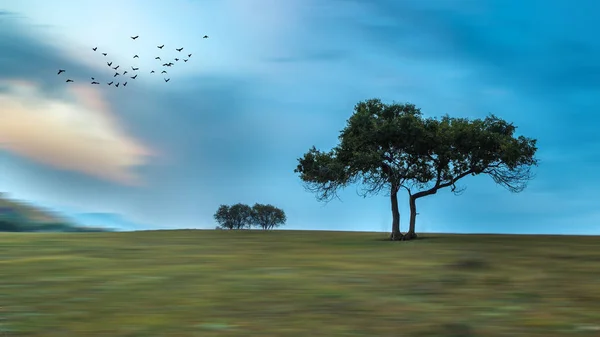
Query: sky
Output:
(277,77)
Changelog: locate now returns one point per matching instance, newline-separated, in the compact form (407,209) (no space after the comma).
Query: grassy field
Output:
(292,283)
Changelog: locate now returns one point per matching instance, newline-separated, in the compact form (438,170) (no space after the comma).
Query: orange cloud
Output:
(82,136)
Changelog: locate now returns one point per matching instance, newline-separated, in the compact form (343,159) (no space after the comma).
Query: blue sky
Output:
(275,78)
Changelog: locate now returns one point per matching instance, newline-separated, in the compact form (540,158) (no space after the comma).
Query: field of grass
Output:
(292,283)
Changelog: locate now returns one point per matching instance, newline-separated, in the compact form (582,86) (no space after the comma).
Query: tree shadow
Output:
(418,238)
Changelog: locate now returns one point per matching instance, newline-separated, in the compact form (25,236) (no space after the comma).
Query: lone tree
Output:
(374,150)
(238,216)
(267,216)
(391,146)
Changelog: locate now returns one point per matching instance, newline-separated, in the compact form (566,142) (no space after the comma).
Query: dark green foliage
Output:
(453,148)
(9,226)
(393,146)
(373,150)
(238,216)
(376,148)
(267,216)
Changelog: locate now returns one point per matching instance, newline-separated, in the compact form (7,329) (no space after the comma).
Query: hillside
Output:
(298,283)
(20,216)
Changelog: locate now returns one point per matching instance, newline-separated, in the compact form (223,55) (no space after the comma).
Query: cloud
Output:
(70,127)
(81,136)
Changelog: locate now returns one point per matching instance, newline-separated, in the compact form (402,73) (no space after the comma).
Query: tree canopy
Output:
(453,148)
(392,146)
(268,216)
(237,216)
(240,216)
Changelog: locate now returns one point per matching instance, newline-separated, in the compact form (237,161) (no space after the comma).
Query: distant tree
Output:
(392,147)
(238,216)
(223,218)
(267,216)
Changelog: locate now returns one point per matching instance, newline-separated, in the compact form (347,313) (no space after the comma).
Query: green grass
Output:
(293,283)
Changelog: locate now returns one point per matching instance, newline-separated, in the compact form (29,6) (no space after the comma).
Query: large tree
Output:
(392,147)
(453,148)
(375,149)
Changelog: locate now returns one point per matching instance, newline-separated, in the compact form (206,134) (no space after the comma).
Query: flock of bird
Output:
(134,69)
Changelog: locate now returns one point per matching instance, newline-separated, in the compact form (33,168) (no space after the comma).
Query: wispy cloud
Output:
(82,135)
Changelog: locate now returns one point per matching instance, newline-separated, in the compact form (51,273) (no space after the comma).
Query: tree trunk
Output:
(396,234)
(412,201)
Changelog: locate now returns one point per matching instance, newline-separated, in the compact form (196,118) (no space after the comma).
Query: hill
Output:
(114,221)
(19,216)
(298,283)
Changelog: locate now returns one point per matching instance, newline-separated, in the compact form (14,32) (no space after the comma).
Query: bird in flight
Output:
(116,74)
(69,81)
(135,37)
(125,72)
(125,84)
(117,85)
(176,59)
(167,80)
(94,82)
(136,57)
(60,71)
(185,60)
(205,37)
(189,55)
(115,68)
(180,49)
(169,64)
(110,83)
(134,76)
(157,58)
(161,47)
(104,54)
(134,68)
(109,63)
(152,72)
(164,72)
(95,48)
